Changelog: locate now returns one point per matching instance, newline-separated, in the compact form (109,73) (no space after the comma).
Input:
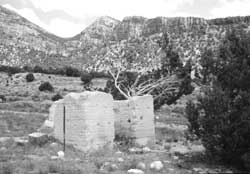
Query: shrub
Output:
(3,98)
(86,77)
(27,68)
(72,72)
(46,86)
(221,118)
(56,97)
(95,74)
(10,70)
(30,77)
(38,69)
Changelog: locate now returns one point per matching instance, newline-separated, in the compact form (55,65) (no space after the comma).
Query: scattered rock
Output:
(118,153)
(135,150)
(60,154)
(21,141)
(156,165)
(197,148)
(113,167)
(146,149)
(54,145)
(38,138)
(48,123)
(54,157)
(135,171)
(179,149)
(141,166)
(107,166)
(3,149)
(4,139)
(167,161)
(170,169)
(120,160)
(201,170)
(175,157)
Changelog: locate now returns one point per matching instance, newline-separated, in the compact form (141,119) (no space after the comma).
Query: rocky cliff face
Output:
(23,43)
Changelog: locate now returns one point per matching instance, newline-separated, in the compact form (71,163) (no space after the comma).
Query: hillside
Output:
(23,43)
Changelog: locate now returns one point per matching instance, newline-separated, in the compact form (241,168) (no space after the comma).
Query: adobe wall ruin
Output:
(89,119)
(134,118)
(93,119)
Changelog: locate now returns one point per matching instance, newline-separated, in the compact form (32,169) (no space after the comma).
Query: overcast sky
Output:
(67,18)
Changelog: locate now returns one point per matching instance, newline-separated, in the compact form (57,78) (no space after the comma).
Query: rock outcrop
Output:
(23,43)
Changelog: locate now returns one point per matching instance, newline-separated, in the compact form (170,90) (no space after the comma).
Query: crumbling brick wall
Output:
(89,120)
(134,118)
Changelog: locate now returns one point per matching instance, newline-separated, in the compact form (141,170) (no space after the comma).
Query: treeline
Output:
(64,71)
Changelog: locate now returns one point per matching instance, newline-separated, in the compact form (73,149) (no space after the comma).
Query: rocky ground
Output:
(26,108)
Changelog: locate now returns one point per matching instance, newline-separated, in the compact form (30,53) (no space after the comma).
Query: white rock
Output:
(120,160)
(20,141)
(135,150)
(110,167)
(156,165)
(54,157)
(197,148)
(48,123)
(175,157)
(180,149)
(113,167)
(118,153)
(135,171)
(132,150)
(167,161)
(3,149)
(38,138)
(53,145)
(60,154)
(146,149)
(141,166)
(105,166)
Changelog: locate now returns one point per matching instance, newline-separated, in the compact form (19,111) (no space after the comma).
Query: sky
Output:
(66,18)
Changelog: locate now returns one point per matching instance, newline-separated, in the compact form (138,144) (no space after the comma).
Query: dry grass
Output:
(29,159)
(25,96)
(18,124)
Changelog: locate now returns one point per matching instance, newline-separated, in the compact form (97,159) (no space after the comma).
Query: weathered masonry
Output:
(134,118)
(89,119)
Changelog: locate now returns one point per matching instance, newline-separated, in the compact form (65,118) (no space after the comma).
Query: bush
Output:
(86,78)
(223,128)
(95,74)
(38,69)
(10,70)
(221,118)
(3,98)
(56,97)
(30,77)
(46,86)
(27,68)
(72,72)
